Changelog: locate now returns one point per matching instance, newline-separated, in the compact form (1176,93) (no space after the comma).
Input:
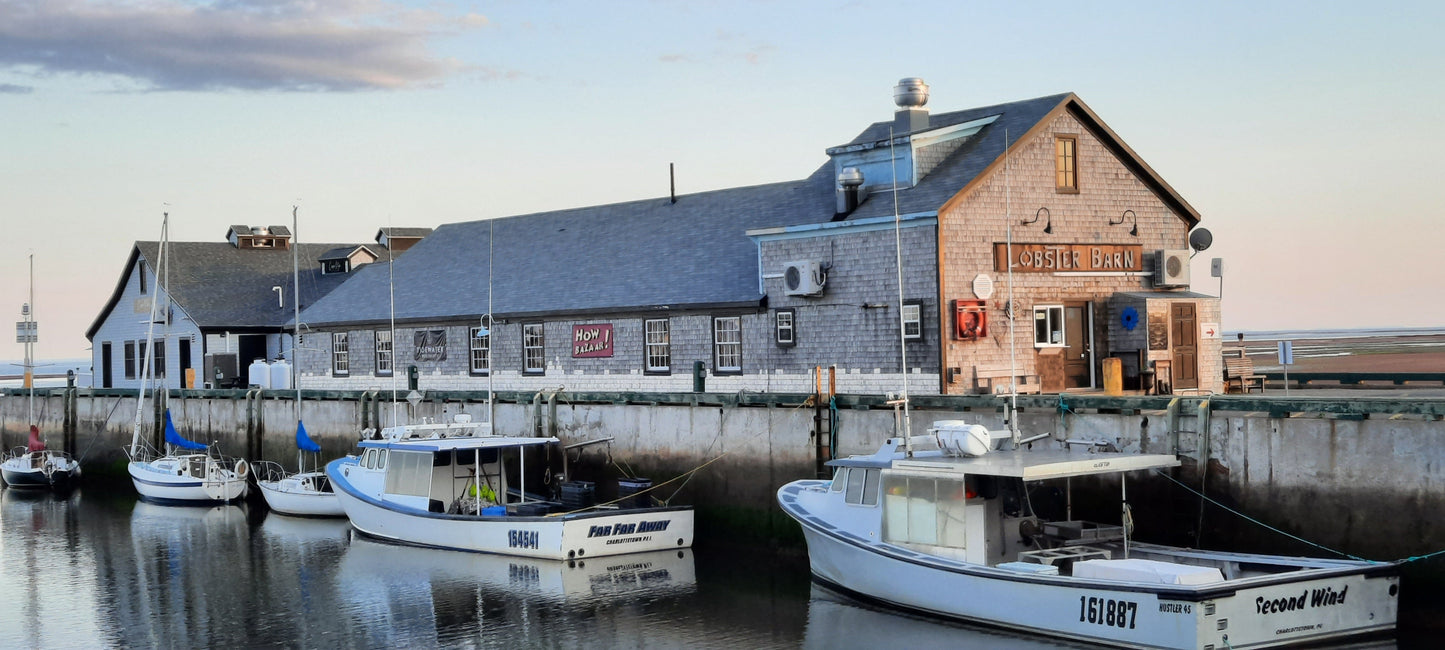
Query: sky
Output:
(1307,135)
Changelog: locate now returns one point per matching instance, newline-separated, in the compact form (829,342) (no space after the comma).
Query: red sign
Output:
(591,341)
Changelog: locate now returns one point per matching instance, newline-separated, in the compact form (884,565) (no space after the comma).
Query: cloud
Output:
(289,45)
(12,89)
(674,58)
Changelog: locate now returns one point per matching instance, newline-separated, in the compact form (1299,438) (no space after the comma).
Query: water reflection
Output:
(46,574)
(403,594)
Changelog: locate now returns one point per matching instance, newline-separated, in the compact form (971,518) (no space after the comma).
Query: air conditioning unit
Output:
(1171,268)
(804,278)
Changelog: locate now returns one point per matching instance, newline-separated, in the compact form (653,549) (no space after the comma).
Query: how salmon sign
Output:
(591,341)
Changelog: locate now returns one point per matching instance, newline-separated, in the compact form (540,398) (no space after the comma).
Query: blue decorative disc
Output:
(1129,319)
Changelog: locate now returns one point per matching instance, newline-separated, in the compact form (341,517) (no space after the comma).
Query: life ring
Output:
(242,469)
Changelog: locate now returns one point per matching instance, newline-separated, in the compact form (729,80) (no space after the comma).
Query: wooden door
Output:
(1184,332)
(183,355)
(104,366)
(1077,353)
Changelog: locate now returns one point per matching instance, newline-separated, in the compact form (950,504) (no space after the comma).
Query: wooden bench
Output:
(1239,371)
(985,381)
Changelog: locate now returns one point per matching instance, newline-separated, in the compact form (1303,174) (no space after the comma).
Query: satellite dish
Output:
(1200,239)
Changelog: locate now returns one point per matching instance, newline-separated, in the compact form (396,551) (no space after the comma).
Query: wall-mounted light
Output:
(1048,223)
(1127,215)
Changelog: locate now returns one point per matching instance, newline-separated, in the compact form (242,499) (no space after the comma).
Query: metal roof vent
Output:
(850,194)
(911,96)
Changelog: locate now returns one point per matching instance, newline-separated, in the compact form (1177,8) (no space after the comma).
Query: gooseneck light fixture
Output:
(1048,223)
(1126,216)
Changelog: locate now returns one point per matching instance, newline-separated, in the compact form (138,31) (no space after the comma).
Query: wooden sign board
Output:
(1052,258)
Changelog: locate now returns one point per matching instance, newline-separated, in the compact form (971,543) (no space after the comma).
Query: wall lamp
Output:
(1048,224)
(1128,214)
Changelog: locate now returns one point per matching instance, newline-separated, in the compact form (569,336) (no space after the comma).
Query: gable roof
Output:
(659,255)
(344,252)
(402,232)
(220,286)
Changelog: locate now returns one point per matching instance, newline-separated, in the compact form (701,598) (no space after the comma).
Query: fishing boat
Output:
(172,476)
(456,485)
(303,493)
(34,466)
(939,532)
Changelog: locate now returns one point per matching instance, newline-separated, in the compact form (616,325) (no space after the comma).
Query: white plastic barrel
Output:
(259,374)
(280,375)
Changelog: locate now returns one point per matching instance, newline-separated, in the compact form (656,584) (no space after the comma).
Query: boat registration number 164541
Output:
(1107,611)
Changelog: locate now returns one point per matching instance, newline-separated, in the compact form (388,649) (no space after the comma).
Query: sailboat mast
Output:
(150,330)
(1013,409)
(30,346)
(491,320)
(296,324)
(902,335)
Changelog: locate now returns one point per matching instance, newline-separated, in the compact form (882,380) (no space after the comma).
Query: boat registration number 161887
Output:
(1107,611)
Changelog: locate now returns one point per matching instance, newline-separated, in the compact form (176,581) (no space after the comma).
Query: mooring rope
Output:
(1413,558)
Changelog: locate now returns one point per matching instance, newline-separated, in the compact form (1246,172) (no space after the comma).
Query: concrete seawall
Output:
(1361,475)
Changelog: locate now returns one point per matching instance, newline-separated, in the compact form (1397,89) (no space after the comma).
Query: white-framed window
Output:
(913,320)
(786,327)
(340,354)
(159,350)
(1049,326)
(130,364)
(384,356)
(727,343)
(481,351)
(657,333)
(534,353)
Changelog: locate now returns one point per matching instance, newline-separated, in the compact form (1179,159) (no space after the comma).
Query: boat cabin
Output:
(461,474)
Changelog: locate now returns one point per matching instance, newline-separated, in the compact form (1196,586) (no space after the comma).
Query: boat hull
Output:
(1264,614)
(161,487)
(298,502)
(561,537)
(20,473)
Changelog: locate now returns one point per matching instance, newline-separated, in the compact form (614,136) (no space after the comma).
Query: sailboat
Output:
(301,493)
(176,477)
(34,466)
(948,530)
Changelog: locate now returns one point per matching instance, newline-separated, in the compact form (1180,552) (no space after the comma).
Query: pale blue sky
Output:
(1306,134)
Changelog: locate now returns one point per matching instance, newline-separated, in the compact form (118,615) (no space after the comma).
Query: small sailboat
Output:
(34,466)
(174,477)
(303,493)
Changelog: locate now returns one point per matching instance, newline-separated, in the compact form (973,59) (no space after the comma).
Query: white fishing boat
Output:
(455,485)
(35,466)
(929,531)
(172,476)
(303,493)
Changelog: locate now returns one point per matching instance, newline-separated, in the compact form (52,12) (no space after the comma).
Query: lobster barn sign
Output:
(1050,258)
(590,341)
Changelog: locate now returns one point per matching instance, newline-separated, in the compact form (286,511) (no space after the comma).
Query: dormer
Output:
(400,239)
(267,237)
(906,149)
(346,259)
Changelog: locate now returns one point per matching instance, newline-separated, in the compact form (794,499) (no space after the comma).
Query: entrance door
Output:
(184,350)
(104,366)
(1185,337)
(1077,352)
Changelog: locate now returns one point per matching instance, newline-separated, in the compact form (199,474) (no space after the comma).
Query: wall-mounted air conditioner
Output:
(804,278)
(1171,268)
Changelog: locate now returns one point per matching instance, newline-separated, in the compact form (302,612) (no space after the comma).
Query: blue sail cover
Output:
(303,441)
(173,438)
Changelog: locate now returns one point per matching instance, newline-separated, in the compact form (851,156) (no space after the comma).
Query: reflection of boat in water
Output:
(399,596)
(306,531)
(838,621)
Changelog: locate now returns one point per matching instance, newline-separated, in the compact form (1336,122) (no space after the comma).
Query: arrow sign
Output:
(1209,330)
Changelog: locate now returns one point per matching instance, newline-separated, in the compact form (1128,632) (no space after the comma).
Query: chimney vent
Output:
(911,96)
(850,191)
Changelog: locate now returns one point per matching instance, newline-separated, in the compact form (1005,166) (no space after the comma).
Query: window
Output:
(786,328)
(384,356)
(924,510)
(130,359)
(340,359)
(1066,163)
(657,333)
(1049,326)
(727,342)
(410,474)
(335,266)
(140,361)
(481,347)
(862,487)
(140,271)
(534,354)
(160,360)
(913,320)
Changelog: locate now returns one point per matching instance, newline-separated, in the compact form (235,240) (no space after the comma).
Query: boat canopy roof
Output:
(447,444)
(1037,465)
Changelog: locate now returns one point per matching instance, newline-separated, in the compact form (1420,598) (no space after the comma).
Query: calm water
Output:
(87,571)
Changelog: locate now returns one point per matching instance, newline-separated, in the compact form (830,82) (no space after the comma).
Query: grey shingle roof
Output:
(648,254)
(340,253)
(403,232)
(221,286)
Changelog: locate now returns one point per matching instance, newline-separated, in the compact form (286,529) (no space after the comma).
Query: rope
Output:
(1064,407)
(1262,524)
(102,428)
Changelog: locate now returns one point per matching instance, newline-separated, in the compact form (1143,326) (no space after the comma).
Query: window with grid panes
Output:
(727,338)
(481,348)
(384,356)
(533,349)
(340,354)
(657,332)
